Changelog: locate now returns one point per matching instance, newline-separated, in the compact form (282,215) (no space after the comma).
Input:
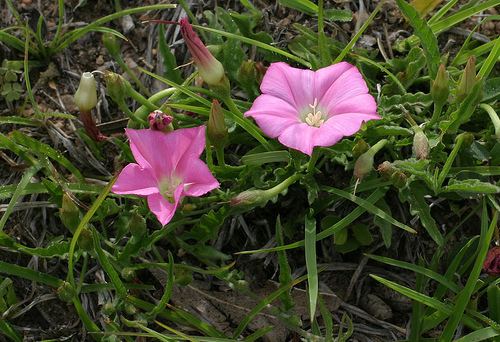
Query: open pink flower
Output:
(306,108)
(168,168)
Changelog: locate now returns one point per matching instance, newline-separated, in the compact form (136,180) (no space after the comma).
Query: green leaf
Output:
(464,296)
(362,234)
(480,335)
(385,227)
(208,226)
(427,37)
(420,208)
(257,159)
(370,208)
(471,186)
(312,269)
(168,58)
(285,275)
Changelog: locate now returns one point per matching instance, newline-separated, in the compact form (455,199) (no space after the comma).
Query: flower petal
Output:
(163,151)
(295,86)
(325,77)
(349,85)
(163,209)
(341,126)
(299,137)
(135,180)
(198,180)
(364,103)
(272,114)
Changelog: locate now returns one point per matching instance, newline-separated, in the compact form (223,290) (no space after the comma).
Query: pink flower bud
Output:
(210,69)
(491,264)
(159,121)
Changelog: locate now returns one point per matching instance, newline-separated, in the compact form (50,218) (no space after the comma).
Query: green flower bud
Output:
(466,137)
(363,165)
(216,127)
(69,213)
(116,86)
(468,80)
(359,148)
(109,308)
(111,44)
(86,94)
(249,197)
(420,145)
(66,292)
(399,179)
(128,274)
(440,88)
(137,225)
(130,309)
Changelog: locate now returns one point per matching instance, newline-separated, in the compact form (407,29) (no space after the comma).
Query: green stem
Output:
(494,118)
(142,112)
(219,152)
(276,190)
(438,108)
(378,146)
(142,100)
(132,75)
(322,45)
(314,158)
(450,160)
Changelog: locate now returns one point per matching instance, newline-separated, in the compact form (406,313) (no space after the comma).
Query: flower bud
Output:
(420,145)
(359,148)
(386,169)
(216,127)
(86,94)
(363,165)
(116,86)
(69,213)
(66,292)
(399,179)
(128,273)
(491,264)
(249,197)
(210,69)
(468,80)
(111,44)
(440,86)
(137,225)
(108,308)
(159,121)
(466,137)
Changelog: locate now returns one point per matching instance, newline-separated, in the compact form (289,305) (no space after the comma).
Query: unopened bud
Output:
(386,169)
(399,179)
(210,69)
(249,197)
(466,137)
(128,274)
(216,127)
(468,80)
(69,213)
(247,73)
(86,94)
(111,44)
(66,292)
(420,145)
(137,225)
(159,121)
(363,165)
(440,88)
(109,308)
(491,264)
(116,86)
(359,148)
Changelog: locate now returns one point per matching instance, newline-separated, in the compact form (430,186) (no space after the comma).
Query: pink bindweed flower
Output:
(210,69)
(305,108)
(168,168)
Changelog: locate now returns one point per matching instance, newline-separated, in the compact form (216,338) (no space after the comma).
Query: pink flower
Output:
(305,108)
(210,69)
(168,168)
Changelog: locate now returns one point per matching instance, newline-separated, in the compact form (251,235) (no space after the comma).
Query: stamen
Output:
(314,118)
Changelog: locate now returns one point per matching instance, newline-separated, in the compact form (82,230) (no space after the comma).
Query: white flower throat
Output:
(314,118)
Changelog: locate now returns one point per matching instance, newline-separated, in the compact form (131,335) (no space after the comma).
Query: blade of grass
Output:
(264,303)
(425,34)
(480,335)
(17,194)
(285,275)
(343,223)
(7,330)
(370,207)
(491,60)
(311,266)
(464,297)
(417,269)
(167,293)
(83,223)
(256,43)
(358,34)
(27,273)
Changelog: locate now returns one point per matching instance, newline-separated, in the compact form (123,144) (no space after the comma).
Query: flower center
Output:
(314,118)
(167,187)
